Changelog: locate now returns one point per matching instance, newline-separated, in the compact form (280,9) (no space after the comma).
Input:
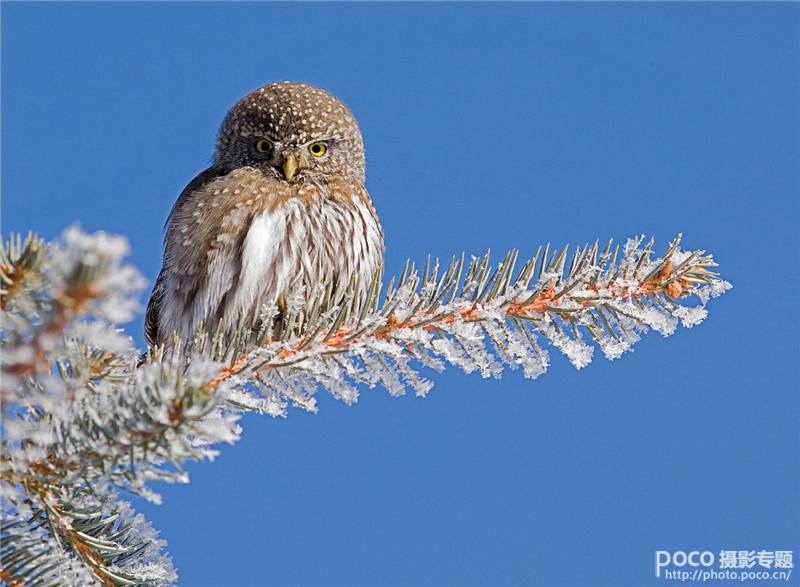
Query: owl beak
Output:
(289,165)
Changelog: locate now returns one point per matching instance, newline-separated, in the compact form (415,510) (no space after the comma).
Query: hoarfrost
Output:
(716,289)
(690,316)
(115,425)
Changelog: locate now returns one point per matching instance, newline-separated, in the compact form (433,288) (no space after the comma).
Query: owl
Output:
(282,214)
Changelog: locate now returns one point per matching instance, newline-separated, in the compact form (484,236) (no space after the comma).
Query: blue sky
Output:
(487,125)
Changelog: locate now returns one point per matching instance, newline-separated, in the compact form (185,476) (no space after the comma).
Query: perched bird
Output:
(282,214)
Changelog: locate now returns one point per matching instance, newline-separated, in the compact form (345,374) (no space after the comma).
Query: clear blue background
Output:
(486,125)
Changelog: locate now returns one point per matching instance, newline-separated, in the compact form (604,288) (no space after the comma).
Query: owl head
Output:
(294,132)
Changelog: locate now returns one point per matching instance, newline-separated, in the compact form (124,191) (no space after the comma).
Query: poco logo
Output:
(680,559)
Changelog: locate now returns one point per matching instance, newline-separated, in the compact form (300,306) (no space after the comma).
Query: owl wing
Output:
(151,316)
(154,305)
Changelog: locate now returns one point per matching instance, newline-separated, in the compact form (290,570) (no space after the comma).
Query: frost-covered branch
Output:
(84,416)
(79,420)
(491,317)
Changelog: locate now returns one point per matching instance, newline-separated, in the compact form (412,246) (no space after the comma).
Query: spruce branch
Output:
(80,421)
(83,417)
(491,317)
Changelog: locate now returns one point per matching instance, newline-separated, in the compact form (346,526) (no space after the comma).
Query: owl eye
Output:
(318,149)
(263,146)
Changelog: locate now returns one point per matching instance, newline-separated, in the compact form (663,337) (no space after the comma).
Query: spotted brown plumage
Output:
(281,213)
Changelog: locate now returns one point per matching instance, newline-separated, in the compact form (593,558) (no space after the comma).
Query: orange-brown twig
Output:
(544,303)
